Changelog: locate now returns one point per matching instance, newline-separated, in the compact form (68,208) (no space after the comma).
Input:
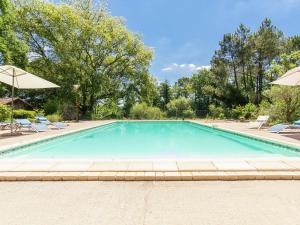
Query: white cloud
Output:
(184,68)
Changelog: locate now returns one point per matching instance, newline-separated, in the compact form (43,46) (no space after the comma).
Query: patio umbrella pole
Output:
(12,101)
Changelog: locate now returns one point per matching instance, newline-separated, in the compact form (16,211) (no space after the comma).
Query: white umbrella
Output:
(291,78)
(18,78)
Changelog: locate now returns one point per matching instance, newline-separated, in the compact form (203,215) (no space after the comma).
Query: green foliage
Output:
(68,111)
(4,113)
(75,44)
(285,103)
(12,49)
(54,117)
(51,106)
(142,111)
(165,94)
(182,88)
(216,112)
(248,111)
(239,66)
(180,107)
(83,44)
(21,114)
(109,110)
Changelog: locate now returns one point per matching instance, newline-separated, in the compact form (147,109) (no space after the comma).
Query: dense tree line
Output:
(104,69)
(241,71)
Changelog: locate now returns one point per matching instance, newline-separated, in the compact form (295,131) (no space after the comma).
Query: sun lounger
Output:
(278,128)
(297,122)
(25,123)
(260,121)
(281,127)
(44,120)
(4,125)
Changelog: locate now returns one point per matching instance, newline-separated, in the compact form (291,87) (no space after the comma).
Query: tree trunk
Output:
(259,81)
(235,76)
(84,105)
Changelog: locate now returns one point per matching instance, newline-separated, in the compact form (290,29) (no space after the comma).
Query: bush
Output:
(51,106)
(285,103)
(142,111)
(54,117)
(188,113)
(4,112)
(109,110)
(180,107)
(216,112)
(68,111)
(249,111)
(21,113)
(154,113)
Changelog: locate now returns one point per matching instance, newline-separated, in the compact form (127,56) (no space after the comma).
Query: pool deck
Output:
(144,170)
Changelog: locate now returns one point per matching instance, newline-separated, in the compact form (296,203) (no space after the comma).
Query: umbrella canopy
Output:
(291,78)
(21,79)
(18,78)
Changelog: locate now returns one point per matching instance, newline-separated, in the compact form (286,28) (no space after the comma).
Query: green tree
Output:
(202,91)
(143,111)
(12,49)
(285,100)
(268,42)
(180,107)
(83,44)
(292,44)
(182,88)
(165,94)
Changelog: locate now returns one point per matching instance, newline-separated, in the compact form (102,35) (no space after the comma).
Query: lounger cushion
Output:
(278,128)
(297,122)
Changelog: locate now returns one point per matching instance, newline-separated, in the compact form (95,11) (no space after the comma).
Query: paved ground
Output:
(150,203)
(288,136)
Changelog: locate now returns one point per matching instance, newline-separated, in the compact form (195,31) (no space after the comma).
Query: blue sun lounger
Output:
(4,125)
(25,123)
(297,123)
(280,127)
(44,120)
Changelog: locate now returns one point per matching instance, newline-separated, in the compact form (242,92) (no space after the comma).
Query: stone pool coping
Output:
(144,170)
(260,135)
(31,170)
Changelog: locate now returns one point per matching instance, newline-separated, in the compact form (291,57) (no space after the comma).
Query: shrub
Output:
(4,112)
(68,111)
(249,111)
(154,113)
(285,103)
(142,111)
(216,112)
(180,107)
(188,113)
(51,106)
(54,117)
(109,110)
(21,113)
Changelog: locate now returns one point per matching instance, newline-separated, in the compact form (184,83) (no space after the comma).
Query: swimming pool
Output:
(166,140)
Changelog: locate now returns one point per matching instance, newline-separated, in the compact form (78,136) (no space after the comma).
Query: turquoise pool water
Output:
(151,140)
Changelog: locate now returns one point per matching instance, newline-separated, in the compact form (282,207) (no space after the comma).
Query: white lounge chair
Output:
(260,121)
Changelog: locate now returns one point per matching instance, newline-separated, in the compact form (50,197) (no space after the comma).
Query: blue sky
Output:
(185,33)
